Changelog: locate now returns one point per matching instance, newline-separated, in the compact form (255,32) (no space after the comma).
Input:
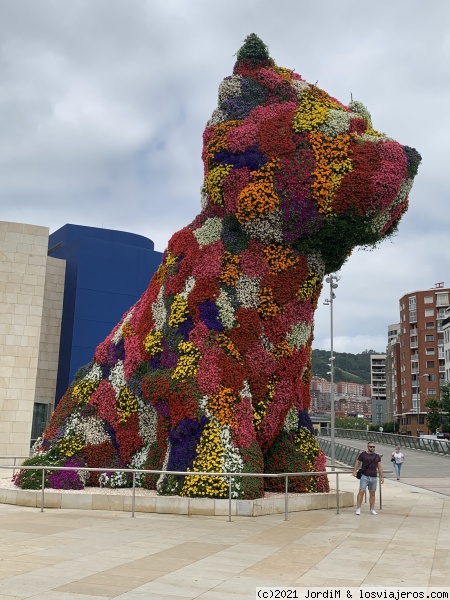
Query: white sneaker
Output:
(373,511)
(358,511)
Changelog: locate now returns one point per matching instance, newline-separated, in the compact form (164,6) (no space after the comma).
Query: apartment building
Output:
(391,349)
(350,398)
(378,385)
(420,364)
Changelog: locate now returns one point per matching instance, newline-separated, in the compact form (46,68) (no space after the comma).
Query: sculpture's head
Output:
(290,164)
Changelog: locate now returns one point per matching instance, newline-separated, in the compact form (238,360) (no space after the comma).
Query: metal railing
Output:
(229,476)
(392,439)
(343,454)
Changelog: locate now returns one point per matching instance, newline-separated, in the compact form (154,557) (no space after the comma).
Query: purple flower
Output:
(251,158)
(67,480)
(184,440)
(209,314)
(304,420)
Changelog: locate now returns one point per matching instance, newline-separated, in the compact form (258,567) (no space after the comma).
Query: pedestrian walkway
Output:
(421,469)
(93,555)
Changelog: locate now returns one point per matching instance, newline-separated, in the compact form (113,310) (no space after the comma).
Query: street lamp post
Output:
(332,280)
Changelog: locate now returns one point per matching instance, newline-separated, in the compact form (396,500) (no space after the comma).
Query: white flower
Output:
(216,118)
(337,122)
(300,86)
(291,420)
(93,431)
(316,264)
(95,374)
(159,310)
(299,335)
(247,290)
(90,429)
(204,195)
(163,468)
(137,461)
(245,392)
(226,310)
(361,111)
(266,343)
(188,287)
(231,460)
(230,87)
(209,232)
(117,376)
(148,420)
(113,480)
(265,229)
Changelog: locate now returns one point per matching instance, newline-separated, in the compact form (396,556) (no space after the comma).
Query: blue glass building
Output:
(106,273)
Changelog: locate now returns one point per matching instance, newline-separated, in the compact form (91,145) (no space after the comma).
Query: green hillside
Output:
(347,366)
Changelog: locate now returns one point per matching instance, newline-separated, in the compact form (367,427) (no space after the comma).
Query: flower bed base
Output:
(121,500)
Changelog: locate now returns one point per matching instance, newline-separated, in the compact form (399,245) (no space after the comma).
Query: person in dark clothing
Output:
(370,464)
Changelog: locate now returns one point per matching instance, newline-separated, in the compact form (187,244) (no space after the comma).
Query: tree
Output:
(433,414)
(445,407)
(351,423)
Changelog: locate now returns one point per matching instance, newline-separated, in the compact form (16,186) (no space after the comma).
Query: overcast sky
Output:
(103,104)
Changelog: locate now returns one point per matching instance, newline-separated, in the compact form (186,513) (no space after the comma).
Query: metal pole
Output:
(332,408)
(286,485)
(42,494)
(133,499)
(229,499)
(337,492)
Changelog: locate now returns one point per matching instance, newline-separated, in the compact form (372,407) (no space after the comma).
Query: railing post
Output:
(381,500)
(133,498)
(42,493)
(229,499)
(286,508)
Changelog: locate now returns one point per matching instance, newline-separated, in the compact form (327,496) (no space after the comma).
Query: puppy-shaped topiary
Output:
(210,370)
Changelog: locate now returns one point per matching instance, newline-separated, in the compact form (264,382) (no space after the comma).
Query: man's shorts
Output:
(367,482)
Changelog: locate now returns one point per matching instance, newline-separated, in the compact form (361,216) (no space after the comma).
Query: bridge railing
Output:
(392,439)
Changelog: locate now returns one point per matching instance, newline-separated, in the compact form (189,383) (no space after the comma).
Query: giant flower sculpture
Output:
(209,371)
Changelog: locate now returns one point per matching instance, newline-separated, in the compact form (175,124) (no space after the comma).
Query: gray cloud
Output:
(103,104)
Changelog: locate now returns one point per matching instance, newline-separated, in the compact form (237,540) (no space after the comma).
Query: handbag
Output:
(393,460)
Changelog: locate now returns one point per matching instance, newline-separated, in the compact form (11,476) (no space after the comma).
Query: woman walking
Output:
(397,458)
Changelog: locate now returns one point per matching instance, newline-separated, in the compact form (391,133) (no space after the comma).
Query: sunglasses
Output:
(371,447)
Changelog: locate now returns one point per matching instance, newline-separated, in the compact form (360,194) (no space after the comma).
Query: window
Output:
(429,325)
(428,300)
(421,420)
(429,312)
(412,316)
(431,391)
(429,350)
(429,338)
(430,364)
(412,302)
(432,377)
(442,299)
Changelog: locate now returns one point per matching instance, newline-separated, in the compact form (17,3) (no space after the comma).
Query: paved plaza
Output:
(93,555)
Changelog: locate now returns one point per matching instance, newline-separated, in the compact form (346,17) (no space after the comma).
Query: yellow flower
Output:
(126,404)
(179,311)
(83,390)
(208,459)
(188,362)
(152,342)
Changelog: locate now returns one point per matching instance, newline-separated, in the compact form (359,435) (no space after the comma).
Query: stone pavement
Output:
(93,555)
